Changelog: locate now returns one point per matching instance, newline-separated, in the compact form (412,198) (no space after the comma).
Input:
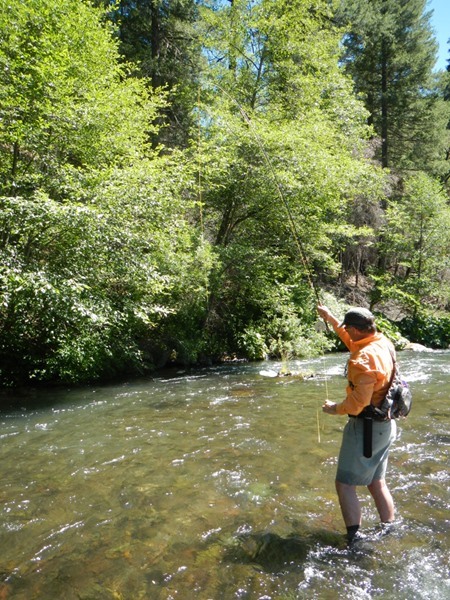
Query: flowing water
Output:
(217,484)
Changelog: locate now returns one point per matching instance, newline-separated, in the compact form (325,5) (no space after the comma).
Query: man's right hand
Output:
(324,312)
(329,407)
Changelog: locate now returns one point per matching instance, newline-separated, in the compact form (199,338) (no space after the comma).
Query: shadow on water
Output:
(273,553)
(40,398)
(47,396)
(313,555)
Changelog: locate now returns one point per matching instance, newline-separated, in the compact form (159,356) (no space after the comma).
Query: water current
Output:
(217,484)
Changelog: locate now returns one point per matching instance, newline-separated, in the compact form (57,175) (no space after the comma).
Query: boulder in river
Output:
(417,347)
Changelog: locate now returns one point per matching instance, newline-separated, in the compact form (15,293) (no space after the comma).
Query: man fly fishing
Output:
(367,438)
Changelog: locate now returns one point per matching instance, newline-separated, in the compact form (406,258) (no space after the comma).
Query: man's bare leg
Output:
(350,507)
(383,500)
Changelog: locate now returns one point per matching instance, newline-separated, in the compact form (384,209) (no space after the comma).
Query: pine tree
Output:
(157,37)
(390,51)
(447,104)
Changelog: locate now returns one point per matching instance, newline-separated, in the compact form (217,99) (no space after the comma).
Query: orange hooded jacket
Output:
(369,371)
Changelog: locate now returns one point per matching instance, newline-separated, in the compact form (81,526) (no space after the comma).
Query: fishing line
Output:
(199,165)
(292,224)
(297,239)
(296,236)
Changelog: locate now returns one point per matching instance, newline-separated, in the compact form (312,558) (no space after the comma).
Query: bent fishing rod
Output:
(300,247)
(296,236)
(294,230)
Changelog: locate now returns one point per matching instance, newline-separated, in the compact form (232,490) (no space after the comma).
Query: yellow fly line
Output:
(199,165)
(301,251)
(292,225)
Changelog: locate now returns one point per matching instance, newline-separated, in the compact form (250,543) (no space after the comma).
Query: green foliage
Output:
(283,332)
(391,330)
(55,322)
(118,255)
(416,244)
(66,106)
(96,245)
(431,331)
(50,317)
(281,155)
(84,295)
(387,289)
(260,307)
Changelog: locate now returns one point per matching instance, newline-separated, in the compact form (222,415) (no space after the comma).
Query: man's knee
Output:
(377,485)
(344,489)
(339,486)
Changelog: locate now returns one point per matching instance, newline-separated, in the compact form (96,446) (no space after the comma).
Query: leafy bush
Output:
(83,288)
(428,330)
(286,329)
(391,330)
(56,321)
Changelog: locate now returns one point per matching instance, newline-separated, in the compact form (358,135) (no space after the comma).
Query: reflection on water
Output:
(214,485)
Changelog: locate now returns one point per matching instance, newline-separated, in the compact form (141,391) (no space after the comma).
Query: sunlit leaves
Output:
(65,102)
(416,240)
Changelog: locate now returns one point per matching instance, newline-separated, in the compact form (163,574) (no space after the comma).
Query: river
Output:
(217,484)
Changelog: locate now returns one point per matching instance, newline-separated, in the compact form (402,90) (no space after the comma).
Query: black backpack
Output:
(398,400)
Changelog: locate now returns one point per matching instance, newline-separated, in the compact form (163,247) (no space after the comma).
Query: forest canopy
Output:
(181,182)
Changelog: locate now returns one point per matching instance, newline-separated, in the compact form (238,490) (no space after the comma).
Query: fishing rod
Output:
(293,226)
(296,236)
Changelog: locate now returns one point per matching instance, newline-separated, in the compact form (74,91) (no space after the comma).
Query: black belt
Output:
(370,413)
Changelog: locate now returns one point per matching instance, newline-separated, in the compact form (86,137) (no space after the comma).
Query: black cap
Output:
(361,318)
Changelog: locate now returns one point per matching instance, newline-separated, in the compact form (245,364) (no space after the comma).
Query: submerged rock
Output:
(272,550)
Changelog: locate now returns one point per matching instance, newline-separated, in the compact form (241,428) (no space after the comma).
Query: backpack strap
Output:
(394,369)
(377,412)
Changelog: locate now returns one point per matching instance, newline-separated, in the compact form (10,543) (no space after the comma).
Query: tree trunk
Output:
(156,41)
(384,106)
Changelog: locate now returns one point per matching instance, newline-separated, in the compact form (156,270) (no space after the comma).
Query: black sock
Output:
(351,532)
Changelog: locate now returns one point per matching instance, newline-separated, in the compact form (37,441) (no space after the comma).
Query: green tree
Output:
(282,149)
(416,244)
(87,290)
(390,51)
(66,108)
(158,38)
(99,259)
(446,94)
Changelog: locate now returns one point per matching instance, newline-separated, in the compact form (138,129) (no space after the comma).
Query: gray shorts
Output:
(353,468)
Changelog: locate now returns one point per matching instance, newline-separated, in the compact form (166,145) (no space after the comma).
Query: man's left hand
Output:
(329,407)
